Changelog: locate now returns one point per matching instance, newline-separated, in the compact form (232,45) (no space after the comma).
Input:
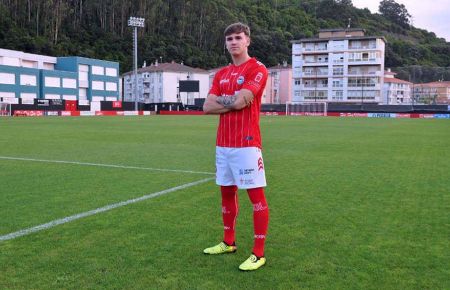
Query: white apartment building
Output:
(396,91)
(159,83)
(340,65)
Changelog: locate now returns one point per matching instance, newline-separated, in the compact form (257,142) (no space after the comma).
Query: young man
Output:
(236,95)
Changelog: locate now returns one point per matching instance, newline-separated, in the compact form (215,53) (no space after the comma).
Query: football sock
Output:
(229,212)
(260,219)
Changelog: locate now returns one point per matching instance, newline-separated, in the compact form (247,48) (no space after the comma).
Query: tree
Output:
(395,12)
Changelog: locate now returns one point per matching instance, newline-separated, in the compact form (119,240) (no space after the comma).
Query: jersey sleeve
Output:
(256,79)
(215,88)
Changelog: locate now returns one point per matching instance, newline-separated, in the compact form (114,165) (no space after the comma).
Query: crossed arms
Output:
(223,104)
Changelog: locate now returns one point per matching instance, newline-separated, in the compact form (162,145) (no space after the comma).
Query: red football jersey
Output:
(240,128)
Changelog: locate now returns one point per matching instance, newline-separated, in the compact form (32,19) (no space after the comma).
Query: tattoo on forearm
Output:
(227,101)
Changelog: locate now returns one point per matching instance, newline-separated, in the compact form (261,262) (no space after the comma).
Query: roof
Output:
(397,81)
(324,39)
(341,29)
(435,84)
(169,67)
(280,66)
(390,73)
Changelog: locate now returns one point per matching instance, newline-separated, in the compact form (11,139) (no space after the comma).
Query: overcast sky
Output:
(432,15)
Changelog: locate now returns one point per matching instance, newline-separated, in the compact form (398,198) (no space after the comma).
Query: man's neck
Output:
(240,59)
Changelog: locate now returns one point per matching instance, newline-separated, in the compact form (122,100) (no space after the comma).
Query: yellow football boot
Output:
(252,263)
(221,248)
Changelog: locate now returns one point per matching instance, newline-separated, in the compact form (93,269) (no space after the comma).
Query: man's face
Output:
(237,43)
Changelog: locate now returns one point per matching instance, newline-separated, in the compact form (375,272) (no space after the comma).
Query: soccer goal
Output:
(5,109)
(306,109)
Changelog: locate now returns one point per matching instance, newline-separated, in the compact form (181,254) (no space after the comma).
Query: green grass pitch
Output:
(354,204)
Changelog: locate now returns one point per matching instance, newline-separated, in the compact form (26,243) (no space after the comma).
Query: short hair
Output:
(237,27)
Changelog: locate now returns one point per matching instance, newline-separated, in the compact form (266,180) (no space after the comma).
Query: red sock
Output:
(260,219)
(229,212)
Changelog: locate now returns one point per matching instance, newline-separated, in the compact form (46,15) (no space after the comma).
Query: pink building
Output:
(279,85)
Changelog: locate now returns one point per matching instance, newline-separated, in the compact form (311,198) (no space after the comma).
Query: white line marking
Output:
(104,165)
(57,222)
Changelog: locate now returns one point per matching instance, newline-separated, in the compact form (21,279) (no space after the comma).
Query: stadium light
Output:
(135,22)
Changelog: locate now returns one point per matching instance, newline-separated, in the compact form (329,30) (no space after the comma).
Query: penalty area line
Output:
(71,218)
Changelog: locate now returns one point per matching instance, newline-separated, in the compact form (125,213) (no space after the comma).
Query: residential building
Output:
(160,82)
(396,91)
(279,85)
(432,93)
(32,76)
(340,65)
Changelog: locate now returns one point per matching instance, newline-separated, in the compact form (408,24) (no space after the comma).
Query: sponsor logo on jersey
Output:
(260,236)
(240,80)
(259,77)
(224,81)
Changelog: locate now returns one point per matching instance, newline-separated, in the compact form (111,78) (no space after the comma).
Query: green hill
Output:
(191,31)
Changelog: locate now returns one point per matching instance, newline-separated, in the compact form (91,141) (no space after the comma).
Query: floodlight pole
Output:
(135,22)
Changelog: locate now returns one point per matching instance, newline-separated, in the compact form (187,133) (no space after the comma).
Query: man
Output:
(236,95)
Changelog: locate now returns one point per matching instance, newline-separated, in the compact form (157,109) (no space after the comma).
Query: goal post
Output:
(307,109)
(5,109)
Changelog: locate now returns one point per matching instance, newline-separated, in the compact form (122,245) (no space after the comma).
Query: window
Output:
(338,95)
(53,82)
(110,86)
(338,70)
(83,76)
(28,95)
(28,80)
(83,67)
(112,72)
(7,95)
(338,57)
(8,79)
(98,70)
(69,83)
(98,85)
(362,82)
(338,83)
(297,82)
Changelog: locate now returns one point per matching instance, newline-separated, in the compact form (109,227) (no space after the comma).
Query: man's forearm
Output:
(213,107)
(235,102)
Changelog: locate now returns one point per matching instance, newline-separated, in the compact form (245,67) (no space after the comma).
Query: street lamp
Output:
(135,22)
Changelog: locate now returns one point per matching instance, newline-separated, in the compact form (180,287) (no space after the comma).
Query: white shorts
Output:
(243,167)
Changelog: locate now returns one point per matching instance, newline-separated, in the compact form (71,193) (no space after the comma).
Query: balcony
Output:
(362,47)
(365,60)
(364,73)
(316,73)
(314,87)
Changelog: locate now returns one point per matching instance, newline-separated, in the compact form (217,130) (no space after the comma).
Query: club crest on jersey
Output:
(240,80)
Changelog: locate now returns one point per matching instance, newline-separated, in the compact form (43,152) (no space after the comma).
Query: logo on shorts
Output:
(240,80)
(260,236)
(248,138)
(260,164)
(246,171)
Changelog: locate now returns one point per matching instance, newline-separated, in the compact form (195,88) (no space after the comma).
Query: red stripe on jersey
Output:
(240,128)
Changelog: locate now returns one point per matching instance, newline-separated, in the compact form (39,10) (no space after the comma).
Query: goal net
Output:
(306,109)
(5,109)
